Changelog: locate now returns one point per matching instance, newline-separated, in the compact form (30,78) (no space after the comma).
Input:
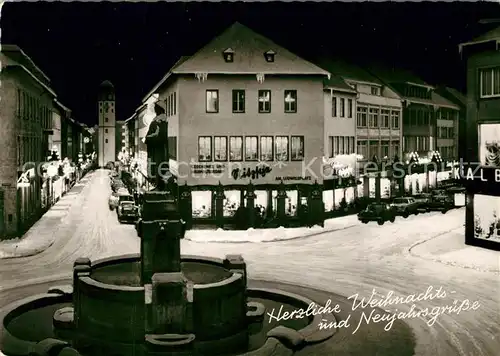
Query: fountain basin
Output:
(109,308)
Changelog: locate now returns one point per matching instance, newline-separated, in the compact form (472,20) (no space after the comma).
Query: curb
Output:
(40,249)
(448,263)
(312,234)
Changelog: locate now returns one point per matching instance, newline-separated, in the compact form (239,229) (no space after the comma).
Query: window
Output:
(451,132)
(361,117)
(228,55)
(362,148)
(373,149)
(236,148)
(269,56)
(395,149)
(384,147)
(204,148)
(238,101)
(334,106)
(19,150)
(384,117)
(281,148)
(105,119)
(373,117)
(349,108)
(375,91)
(489,82)
(105,130)
(264,101)
(167,104)
(342,107)
(220,148)
(106,141)
(297,144)
(266,148)
(395,119)
(212,101)
(172,147)
(290,101)
(251,148)
(175,103)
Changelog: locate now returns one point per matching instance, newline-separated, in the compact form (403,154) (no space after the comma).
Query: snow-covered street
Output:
(347,261)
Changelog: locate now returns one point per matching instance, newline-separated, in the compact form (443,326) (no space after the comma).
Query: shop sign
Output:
(208,168)
(255,173)
(478,173)
(285,178)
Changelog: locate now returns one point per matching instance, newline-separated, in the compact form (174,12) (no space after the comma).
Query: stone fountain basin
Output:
(111,303)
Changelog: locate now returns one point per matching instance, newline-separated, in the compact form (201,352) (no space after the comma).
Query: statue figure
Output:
(157,147)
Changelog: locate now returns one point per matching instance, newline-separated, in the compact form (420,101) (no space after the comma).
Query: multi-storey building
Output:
(243,109)
(119,137)
(483,140)
(107,124)
(378,113)
(26,111)
(430,122)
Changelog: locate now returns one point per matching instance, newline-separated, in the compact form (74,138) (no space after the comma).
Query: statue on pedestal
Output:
(157,148)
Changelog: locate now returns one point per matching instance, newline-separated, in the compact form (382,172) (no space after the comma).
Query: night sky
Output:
(78,45)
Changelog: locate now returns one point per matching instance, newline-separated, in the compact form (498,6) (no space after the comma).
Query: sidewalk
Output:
(450,249)
(43,233)
(270,235)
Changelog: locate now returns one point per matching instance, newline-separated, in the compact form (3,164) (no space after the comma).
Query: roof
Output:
(493,35)
(336,82)
(17,54)
(106,84)
(397,75)
(37,79)
(454,95)
(249,48)
(348,71)
(165,77)
(58,103)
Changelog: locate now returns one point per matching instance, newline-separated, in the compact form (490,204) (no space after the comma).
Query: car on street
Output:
(113,201)
(127,211)
(379,212)
(117,184)
(405,206)
(441,201)
(423,201)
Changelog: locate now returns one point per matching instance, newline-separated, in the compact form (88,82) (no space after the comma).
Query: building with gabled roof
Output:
(244,109)
(482,140)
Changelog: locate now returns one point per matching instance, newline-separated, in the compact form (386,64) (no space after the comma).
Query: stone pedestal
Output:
(169,303)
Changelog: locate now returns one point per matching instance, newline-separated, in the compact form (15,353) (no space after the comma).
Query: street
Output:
(349,261)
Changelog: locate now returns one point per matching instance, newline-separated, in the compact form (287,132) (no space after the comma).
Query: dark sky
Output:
(78,45)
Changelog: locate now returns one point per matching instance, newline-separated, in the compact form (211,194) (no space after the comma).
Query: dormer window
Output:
(269,56)
(228,55)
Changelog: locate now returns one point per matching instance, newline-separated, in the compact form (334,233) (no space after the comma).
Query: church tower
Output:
(107,122)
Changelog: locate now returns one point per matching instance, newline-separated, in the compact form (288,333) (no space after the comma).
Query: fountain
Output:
(158,302)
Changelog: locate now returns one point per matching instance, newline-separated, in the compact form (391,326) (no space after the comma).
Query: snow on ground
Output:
(43,233)
(450,249)
(269,235)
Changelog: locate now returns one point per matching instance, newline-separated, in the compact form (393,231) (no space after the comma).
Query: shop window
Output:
(204,148)
(251,151)
(201,204)
(281,148)
(236,148)
(297,143)
(266,148)
(231,203)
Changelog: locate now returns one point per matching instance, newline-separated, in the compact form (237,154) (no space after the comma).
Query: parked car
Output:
(113,201)
(441,201)
(423,201)
(379,212)
(127,211)
(116,185)
(405,206)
